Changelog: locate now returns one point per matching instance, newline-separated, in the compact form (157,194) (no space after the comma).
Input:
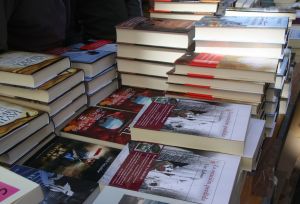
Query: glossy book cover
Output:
(130,99)
(58,189)
(73,158)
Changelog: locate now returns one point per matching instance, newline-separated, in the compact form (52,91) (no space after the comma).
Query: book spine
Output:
(203,76)
(200,96)
(207,60)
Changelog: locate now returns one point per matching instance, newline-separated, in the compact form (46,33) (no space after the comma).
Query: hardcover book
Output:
(30,69)
(183,174)
(101,126)
(259,29)
(59,189)
(130,99)
(73,158)
(154,32)
(210,66)
(18,190)
(194,124)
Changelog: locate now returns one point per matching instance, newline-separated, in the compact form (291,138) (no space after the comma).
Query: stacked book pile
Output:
(147,49)
(43,82)
(98,61)
(183,9)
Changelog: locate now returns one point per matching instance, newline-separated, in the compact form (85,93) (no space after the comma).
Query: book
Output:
(58,188)
(92,61)
(186,6)
(30,69)
(48,91)
(209,65)
(149,53)
(154,32)
(253,143)
(219,84)
(17,123)
(73,158)
(102,126)
(144,67)
(212,94)
(18,190)
(257,29)
(178,15)
(103,92)
(16,152)
(102,79)
(193,124)
(244,49)
(115,195)
(53,107)
(69,111)
(182,174)
(144,81)
(129,99)
(294,38)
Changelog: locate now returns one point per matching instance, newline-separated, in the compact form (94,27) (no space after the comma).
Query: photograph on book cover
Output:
(200,118)
(136,200)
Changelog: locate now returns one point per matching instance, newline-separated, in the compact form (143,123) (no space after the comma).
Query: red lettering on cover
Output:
(203,76)
(6,191)
(206,60)
(200,96)
(197,86)
(95,45)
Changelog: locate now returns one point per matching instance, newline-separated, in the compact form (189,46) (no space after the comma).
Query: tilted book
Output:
(18,190)
(101,126)
(59,189)
(73,158)
(129,99)
(182,174)
(193,124)
(216,66)
(30,69)
(156,32)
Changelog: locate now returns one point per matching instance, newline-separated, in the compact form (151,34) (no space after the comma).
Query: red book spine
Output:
(206,60)
(200,96)
(203,76)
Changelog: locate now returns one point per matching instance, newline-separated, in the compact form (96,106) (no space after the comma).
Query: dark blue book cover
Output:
(56,187)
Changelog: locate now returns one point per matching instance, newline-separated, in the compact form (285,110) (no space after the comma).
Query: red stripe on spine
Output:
(203,76)
(207,60)
(200,96)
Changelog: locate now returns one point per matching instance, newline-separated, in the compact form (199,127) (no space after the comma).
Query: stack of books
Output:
(183,9)
(98,61)
(43,82)
(21,130)
(147,49)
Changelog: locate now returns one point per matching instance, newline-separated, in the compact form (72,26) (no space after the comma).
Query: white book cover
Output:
(16,189)
(183,174)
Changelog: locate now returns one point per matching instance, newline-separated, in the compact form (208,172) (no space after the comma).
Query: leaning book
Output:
(193,124)
(182,174)
(59,189)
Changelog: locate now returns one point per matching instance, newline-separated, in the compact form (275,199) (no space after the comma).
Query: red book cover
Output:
(102,124)
(130,99)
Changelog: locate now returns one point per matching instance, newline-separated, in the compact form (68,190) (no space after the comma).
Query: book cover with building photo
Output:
(101,126)
(183,174)
(193,124)
(73,158)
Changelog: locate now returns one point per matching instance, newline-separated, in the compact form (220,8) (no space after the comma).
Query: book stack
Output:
(183,9)
(98,61)
(147,49)
(43,82)
(21,129)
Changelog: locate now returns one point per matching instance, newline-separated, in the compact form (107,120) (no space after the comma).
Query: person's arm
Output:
(6,9)
(134,8)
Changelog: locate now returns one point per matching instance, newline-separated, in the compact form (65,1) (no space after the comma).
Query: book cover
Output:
(243,22)
(210,60)
(102,124)
(199,118)
(59,78)
(56,187)
(26,63)
(14,116)
(130,99)
(153,24)
(183,174)
(72,158)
